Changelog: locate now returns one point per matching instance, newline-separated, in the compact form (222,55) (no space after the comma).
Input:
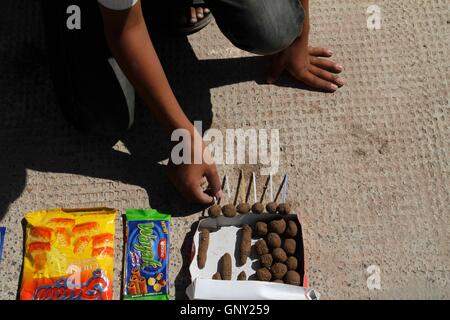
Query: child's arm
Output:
(305,64)
(130,43)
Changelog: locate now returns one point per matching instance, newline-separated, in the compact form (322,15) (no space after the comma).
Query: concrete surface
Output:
(368,166)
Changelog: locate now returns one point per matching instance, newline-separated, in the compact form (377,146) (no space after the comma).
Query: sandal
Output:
(178,20)
(188,26)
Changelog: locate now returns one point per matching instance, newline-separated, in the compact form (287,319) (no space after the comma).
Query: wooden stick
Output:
(271,186)
(285,188)
(243,193)
(265,189)
(281,189)
(228,188)
(249,189)
(255,197)
(238,188)
(223,186)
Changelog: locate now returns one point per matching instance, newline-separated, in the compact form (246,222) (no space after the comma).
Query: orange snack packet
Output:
(69,255)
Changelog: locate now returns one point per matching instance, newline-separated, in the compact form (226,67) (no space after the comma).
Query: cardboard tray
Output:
(224,238)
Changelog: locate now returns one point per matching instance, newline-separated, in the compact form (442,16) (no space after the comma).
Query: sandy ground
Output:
(368,166)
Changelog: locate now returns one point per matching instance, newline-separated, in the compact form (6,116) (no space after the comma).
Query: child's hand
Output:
(306,65)
(189,180)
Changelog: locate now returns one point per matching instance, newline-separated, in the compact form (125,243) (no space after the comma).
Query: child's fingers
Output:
(325,75)
(214,183)
(326,64)
(320,52)
(198,195)
(316,82)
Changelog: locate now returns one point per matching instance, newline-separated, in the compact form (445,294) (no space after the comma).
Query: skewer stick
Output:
(255,197)
(249,189)
(238,189)
(281,190)
(223,186)
(285,189)
(227,185)
(265,189)
(271,186)
(243,193)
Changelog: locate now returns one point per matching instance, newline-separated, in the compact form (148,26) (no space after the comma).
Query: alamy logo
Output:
(234,146)
(73,21)
(374,19)
(374,279)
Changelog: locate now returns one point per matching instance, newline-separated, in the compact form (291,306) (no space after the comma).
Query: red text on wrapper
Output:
(92,289)
(162,249)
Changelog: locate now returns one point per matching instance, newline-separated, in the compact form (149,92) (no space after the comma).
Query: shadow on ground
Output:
(36,136)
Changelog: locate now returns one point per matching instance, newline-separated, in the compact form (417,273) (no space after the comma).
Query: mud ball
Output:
(291,229)
(271,207)
(261,247)
(261,229)
(279,270)
(214,211)
(289,245)
(263,274)
(266,260)
(278,281)
(242,276)
(284,208)
(277,226)
(273,240)
(292,263)
(243,208)
(229,210)
(279,255)
(292,277)
(258,208)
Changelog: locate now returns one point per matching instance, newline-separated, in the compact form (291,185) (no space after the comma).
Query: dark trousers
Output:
(259,26)
(91,96)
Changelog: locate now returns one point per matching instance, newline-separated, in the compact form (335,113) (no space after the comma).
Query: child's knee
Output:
(262,26)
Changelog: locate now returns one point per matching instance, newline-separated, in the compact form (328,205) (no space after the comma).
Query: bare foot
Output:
(197,14)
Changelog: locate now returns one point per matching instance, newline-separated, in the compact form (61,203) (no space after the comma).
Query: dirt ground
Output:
(368,165)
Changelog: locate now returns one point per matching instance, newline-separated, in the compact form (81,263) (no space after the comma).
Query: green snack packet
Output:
(146,266)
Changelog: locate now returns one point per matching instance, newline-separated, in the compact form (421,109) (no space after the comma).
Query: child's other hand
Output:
(307,65)
(189,180)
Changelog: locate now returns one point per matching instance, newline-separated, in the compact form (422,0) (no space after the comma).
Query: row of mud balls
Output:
(230,210)
(277,255)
